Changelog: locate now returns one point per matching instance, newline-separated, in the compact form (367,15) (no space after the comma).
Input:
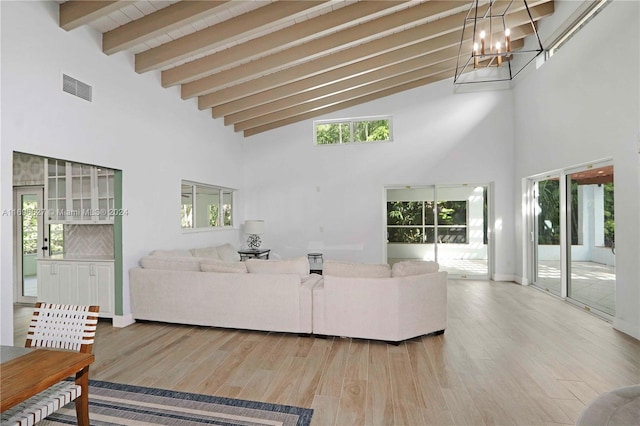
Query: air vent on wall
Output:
(76,87)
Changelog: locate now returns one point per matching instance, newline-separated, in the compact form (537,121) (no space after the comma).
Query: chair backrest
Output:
(68,327)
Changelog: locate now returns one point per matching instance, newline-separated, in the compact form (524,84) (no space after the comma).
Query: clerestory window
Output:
(342,131)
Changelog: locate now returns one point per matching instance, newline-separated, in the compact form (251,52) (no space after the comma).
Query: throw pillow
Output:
(227,252)
(356,270)
(208,252)
(413,267)
(298,265)
(171,263)
(214,265)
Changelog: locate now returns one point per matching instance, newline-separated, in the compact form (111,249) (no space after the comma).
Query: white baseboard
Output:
(522,280)
(627,328)
(122,321)
(503,277)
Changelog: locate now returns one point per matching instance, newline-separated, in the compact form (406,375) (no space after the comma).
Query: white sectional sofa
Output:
(381,303)
(211,287)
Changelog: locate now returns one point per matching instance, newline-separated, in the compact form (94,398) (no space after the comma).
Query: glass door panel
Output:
(29,241)
(591,258)
(547,251)
(461,230)
(410,224)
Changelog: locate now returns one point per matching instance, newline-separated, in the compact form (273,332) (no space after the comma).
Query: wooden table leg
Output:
(82,403)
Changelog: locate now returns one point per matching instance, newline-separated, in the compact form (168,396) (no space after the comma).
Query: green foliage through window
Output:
(347,131)
(413,222)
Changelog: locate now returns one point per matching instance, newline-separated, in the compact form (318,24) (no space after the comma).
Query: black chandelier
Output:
(487,52)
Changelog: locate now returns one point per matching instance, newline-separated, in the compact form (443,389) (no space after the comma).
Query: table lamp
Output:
(254,228)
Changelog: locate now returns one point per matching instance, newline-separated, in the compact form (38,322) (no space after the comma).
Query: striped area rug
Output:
(116,404)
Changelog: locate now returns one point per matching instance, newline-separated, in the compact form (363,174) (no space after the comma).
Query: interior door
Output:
(28,240)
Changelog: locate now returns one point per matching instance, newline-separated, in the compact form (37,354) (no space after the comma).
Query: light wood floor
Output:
(510,355)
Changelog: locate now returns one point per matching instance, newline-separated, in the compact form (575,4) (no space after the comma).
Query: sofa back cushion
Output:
(298,265)
(356,270)
(228,252)
(171,263)
(171,253)
(413,267)
(206,252)
(217,265)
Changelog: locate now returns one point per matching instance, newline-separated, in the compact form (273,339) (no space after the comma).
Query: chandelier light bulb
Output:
(507,41)
(507,32)
(482,34)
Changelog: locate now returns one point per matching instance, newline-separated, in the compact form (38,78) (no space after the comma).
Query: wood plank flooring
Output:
(510,355)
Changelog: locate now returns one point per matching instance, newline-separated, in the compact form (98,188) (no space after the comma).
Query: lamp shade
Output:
(255,227)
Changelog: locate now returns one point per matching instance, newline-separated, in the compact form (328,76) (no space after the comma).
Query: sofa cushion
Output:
(172,263)
(297,265)
(171,253)
(208,252)
(413,267)
(357,270)
(228,252)
(216,265)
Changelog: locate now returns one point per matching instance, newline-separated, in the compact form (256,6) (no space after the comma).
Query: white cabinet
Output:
(78,193)
(78,283)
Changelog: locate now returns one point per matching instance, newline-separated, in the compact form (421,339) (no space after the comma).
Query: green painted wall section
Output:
(117,241)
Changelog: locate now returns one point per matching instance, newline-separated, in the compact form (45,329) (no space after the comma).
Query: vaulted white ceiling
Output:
(260,65)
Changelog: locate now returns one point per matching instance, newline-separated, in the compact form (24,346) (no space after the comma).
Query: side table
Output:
(315,263)
(254,254)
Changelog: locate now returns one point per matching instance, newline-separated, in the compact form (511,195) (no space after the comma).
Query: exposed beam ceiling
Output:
(260,65)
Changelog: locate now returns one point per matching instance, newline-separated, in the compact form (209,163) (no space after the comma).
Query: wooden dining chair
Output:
(68,327)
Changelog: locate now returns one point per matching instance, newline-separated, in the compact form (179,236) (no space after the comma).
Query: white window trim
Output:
(587,11)
(223,190)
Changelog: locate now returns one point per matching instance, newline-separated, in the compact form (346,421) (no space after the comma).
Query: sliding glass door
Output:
(573,236)
(591,258)
(447,224)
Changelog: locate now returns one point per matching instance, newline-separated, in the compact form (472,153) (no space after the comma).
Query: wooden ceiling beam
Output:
(216,35)
(319,46)
(387,44)
(297,98)
(349,71)
(75,13)
(157,23)
(435,64)
(352,93)
(336,107)
(277,40)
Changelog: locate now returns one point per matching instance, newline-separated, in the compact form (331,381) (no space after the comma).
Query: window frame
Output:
(424,226)
(351,122)
(224,194)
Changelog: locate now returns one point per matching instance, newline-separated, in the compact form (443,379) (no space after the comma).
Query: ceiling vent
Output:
(76,87)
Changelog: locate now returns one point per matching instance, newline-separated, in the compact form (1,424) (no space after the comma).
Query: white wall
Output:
(331,198)
(133,124)
(583,105)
